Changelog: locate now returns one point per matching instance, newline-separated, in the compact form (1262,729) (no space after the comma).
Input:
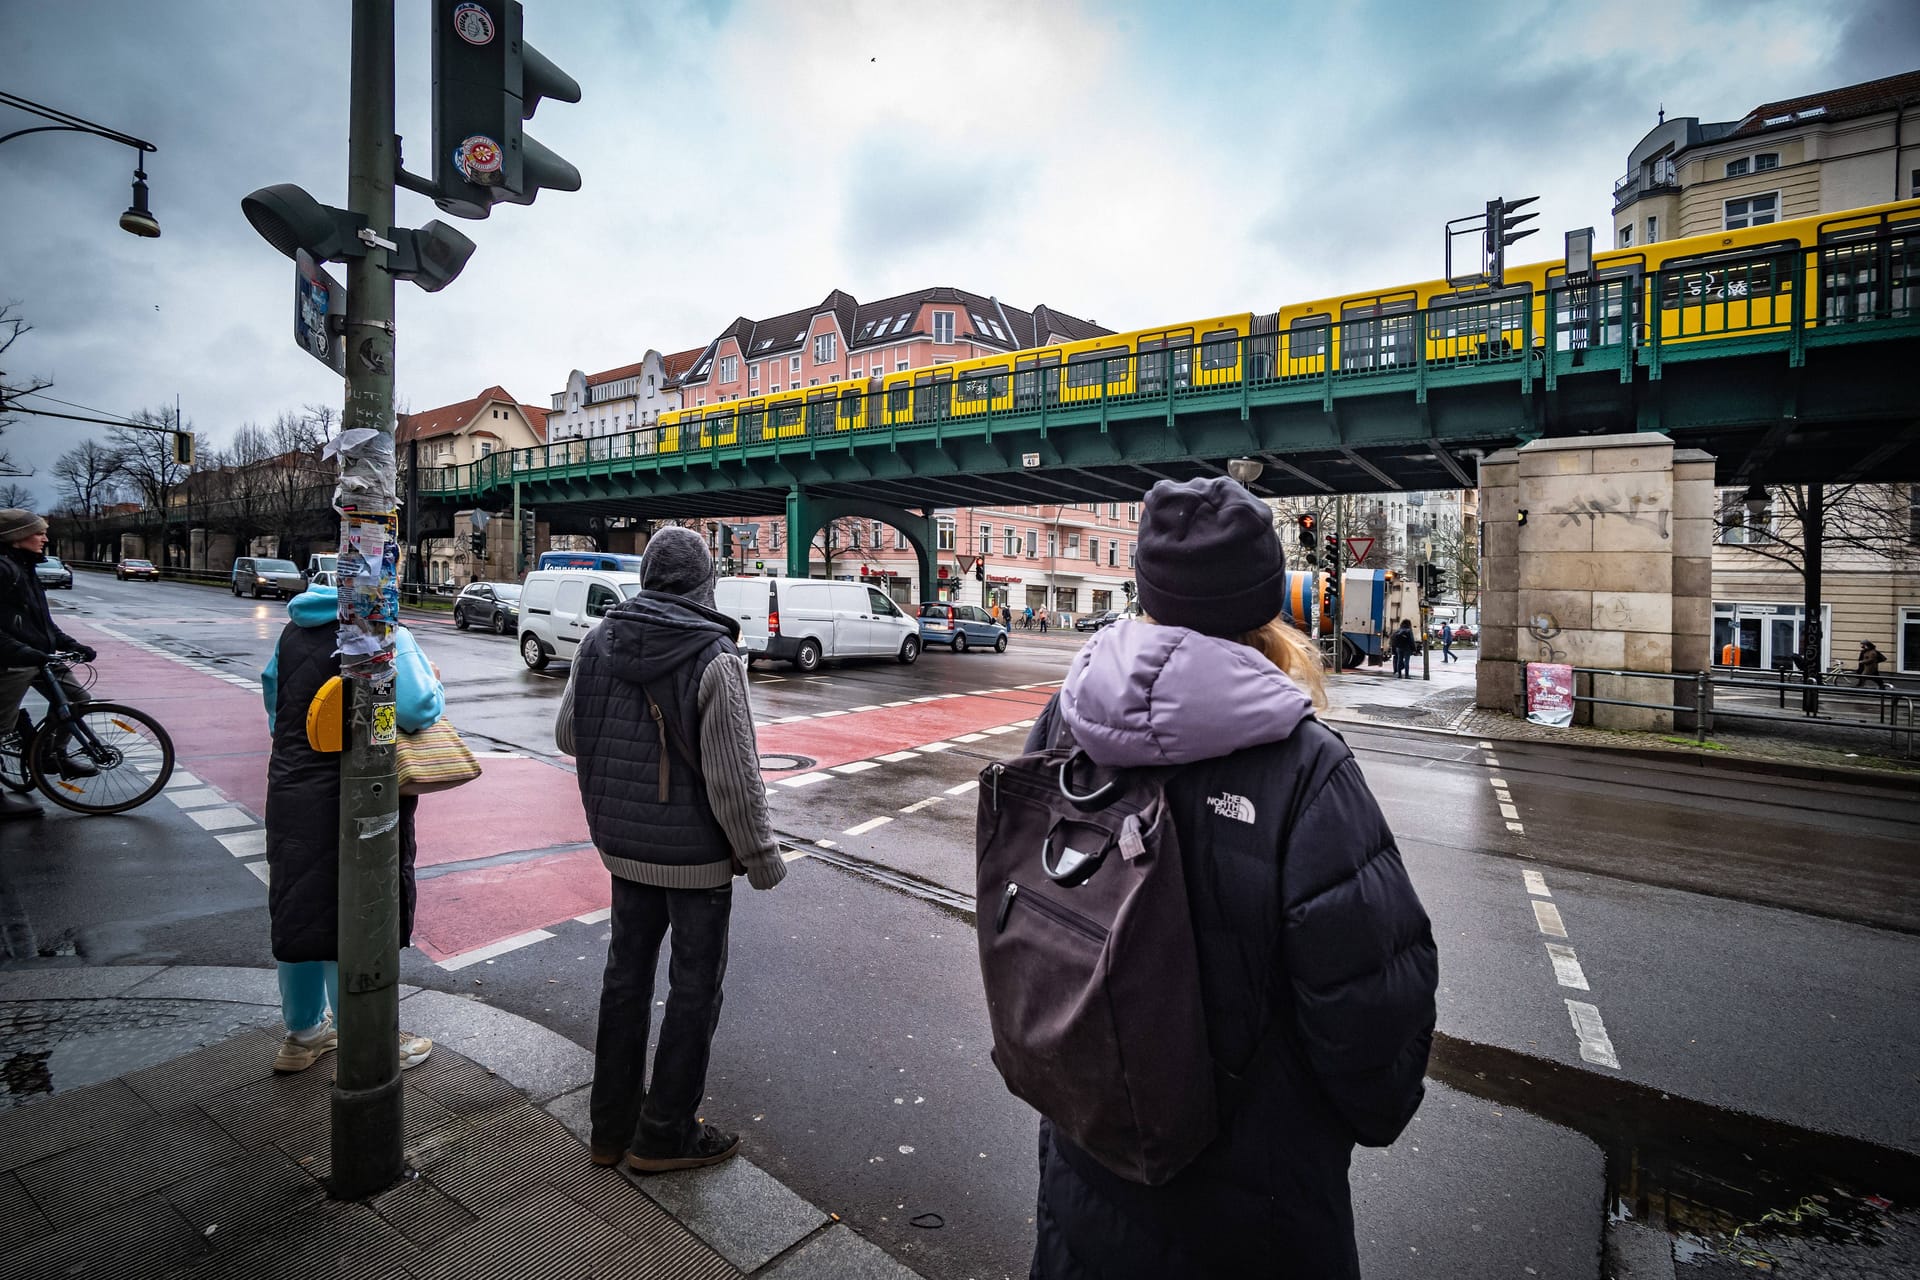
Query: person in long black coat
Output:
(1317,962)
(303,823)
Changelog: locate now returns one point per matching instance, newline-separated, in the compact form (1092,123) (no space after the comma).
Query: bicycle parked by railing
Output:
(102,757)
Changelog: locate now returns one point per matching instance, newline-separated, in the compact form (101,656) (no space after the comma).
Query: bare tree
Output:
(12,326)
(15,495)
(147,465)
(837,537)
(88,476)
(1457,551)
(296,474)
(247,479)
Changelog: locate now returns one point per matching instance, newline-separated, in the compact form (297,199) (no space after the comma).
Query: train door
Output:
(1036,381)
(1163,357)
(932,395)
(1601,312)
(823,405)
(1376,335)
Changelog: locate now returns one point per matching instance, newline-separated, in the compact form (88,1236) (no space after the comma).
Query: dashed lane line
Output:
(860,829)
(1547,916)
(918,805)
(1595,1046)
(493,949)
(1589,1029)
(1566,966)
(1536,883)
(601,916)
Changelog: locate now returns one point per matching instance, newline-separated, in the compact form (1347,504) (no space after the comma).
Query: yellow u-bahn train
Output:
(1724,283)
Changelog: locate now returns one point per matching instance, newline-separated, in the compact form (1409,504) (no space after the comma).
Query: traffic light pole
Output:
(368,1149)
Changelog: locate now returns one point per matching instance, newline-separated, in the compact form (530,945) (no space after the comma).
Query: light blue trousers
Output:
(307,991)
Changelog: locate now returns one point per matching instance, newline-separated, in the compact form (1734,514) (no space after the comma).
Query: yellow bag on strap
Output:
(326,716)
(433,759)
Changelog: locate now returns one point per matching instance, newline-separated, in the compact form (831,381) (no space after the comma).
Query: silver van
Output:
(806,621)
(559,606)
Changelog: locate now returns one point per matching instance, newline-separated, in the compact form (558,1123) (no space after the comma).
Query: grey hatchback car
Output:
(960,626)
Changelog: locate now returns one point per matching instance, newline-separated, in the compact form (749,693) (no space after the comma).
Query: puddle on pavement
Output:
(1729,1188)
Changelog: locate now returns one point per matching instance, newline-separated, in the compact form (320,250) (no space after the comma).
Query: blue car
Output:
(961,627)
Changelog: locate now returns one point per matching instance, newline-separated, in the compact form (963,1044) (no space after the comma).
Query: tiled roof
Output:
(614,375)
(537,419)
(888,320)
(449,418)
(1850,102)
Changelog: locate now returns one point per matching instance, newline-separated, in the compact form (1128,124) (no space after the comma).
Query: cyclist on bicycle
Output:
(29,637)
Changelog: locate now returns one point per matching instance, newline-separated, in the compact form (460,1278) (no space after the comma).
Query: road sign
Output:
(319,313)
(1029,459)
(1357,548)
(966,562)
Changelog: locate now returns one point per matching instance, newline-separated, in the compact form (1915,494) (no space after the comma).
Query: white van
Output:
(559,606)
(805,621)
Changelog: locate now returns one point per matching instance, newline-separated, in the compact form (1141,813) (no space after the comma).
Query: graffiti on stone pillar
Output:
(1637,509)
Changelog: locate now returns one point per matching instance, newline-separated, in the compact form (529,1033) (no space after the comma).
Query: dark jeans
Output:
(627,1115)
(1446,651)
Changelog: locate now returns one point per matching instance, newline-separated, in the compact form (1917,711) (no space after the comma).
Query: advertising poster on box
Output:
(1550,693)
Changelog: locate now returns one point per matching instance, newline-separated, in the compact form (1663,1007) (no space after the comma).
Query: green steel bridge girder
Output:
(808,514)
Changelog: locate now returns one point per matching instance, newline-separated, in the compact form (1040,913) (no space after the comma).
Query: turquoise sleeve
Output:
(418,697)
(270,686)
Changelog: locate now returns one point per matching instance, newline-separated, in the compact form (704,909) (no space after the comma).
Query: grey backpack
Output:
(1088,957)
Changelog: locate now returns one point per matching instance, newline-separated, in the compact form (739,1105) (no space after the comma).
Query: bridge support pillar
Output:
(808,515)
(1598,553)
(197,549)
(134,547)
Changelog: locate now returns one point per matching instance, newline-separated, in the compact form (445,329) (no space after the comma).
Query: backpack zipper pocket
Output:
(1062,916)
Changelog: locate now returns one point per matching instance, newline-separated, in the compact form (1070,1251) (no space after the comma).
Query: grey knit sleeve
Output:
(730,758)
(563,720)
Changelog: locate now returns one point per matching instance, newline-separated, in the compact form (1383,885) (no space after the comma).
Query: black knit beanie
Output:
(1209,559)
(677,561)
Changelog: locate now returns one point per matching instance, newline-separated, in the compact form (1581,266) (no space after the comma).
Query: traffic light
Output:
(478,541)
(486,80)
(1306,530)
(1521,519)
(1436,583)
(1127,588)
(979,570)
(183,448)
(1333,552)
(1503,228)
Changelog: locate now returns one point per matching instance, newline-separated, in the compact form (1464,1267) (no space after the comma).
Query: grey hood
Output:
(1141,694)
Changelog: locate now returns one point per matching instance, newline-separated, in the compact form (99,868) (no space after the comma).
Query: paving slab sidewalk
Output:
(143,1132)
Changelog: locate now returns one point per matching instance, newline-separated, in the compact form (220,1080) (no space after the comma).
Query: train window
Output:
(1852,284)
(1726,281)
(1085,372)
(1308,336)
(898,399)
(850,405)
(981,385)
(1483,317)
(1220,349)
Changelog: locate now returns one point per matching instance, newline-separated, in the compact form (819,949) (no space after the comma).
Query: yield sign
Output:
(1358,548)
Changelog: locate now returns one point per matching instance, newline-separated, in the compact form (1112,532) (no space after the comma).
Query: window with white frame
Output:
(943,326)
(1133,556)
(877,534)
(1033,543)
(1753,211)
(729,368)
(823,348)
(1113,511)
(1739,168)
(775,539)
(1010,542)
(1093,550)
(1626,236)
(899,540)
(1766,160)
(986,539)
(943,533)
(1113,555)
(1653,229)
(793,364)
(753,373)
(1739,527)
(1073,545)
(900,366)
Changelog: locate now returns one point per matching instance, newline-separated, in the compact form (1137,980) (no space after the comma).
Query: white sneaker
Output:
(413,1050)
(302,1049)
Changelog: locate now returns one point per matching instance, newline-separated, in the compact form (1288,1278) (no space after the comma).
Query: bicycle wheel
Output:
(131,753)
(15,773)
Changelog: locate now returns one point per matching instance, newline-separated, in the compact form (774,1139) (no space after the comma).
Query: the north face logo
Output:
(1232,806)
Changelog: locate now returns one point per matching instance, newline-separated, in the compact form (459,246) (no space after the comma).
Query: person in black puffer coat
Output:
(1317,962)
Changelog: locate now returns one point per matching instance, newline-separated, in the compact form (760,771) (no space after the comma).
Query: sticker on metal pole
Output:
(385,725)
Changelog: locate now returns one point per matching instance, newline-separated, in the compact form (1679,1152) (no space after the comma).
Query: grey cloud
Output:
(907,197)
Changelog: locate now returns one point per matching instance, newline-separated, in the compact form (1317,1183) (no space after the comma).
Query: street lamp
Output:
(1245,470)
(138,219)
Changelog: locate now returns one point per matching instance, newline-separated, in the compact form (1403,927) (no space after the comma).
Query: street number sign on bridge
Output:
(1357,549)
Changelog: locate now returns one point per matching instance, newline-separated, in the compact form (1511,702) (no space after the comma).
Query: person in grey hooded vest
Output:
(1317,963)
(656,715)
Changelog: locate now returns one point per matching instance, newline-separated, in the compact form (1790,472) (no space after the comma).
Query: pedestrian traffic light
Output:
(1127,588)
(183,448)
(979,570)
(1306,530)
(1436,584)
(478,541)
(486,80)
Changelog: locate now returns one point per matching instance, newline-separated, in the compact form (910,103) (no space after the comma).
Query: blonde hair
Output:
(1286,647)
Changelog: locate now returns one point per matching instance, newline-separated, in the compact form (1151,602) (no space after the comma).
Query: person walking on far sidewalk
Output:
(1315,959)
(1868,667)
(303,823)
(1446,643)
(1403,646)
(656,716)
(1043,622)
(28,638)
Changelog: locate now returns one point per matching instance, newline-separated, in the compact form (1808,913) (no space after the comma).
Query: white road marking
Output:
(981,693)
(1492,763)
(862,828)
(827,715)
(1000,728)
(260,869)
(1566,966)
(791,719)
(601,916)
(824,844)
(953,695)
(804,779)
(1497,782)
(871,706)
(183,781)
(1536,884)
(918,805)
(1486,746)
(1595,1047)
(220,819)
(897,756)
(856,766)
(1547,916)
(935,746)
(245,844)
(790,855)
(1023,724)
(1518,830)
(1510,813)
(970,737)
(964,787)
(196,798)
(932,697)
(493,949)
(903,702)
(1504,796)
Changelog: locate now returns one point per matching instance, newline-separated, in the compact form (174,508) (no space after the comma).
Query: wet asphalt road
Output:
(1744,942)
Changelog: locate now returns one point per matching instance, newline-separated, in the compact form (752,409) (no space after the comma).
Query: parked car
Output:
(807,622)
(1095,621)
(494,605)
(258,576)
(960,626)
(1463,634)
(53,572)
(321,567)
(559,606)
(136,569)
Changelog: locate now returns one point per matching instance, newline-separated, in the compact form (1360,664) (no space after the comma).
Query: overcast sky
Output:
(1129,162)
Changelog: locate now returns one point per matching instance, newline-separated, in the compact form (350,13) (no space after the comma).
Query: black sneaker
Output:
(78,767)
(709,1146)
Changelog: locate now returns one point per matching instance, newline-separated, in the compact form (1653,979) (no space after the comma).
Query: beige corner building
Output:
(1825,152)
